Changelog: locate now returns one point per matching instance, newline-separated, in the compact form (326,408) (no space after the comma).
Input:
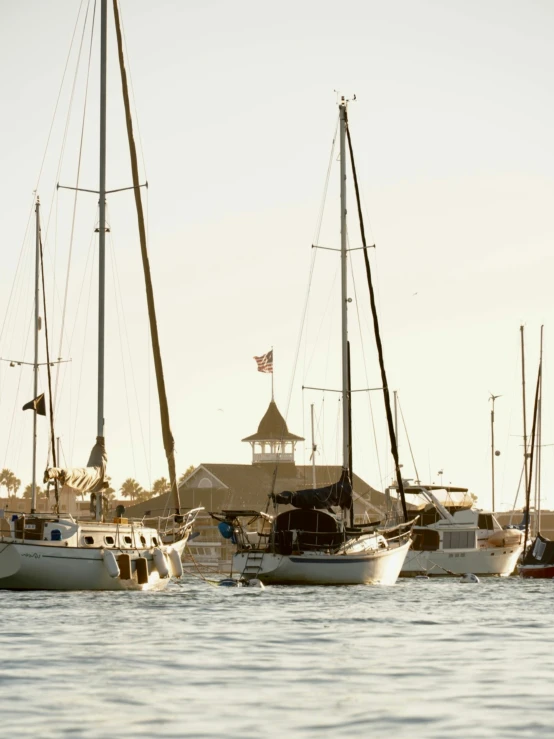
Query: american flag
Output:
(265,362)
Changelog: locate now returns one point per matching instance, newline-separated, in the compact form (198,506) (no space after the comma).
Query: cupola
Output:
(273,442)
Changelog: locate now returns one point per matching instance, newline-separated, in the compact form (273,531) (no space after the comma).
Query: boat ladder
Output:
(253,563)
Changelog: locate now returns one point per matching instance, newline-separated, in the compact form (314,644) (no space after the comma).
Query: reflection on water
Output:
(427,658)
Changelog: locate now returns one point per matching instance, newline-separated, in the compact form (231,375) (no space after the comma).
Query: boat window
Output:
(143,541)
(154,541)
(458,540)
(485,521)
(109,539)
(425,540)
(89,540)
(428,517)
(128,540)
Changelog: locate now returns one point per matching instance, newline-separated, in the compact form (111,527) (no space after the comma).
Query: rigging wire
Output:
(133,98)
(407,437)
(60,91)
(115,285)
(92,252)
(55,294)
(319,222)
(17,431)
(147,449)
(119,292)
(364,360)
(306,300)
(80,294)
(74,214)
(50,399)
(33,197)
(392,436)
(304,326)
(168,441)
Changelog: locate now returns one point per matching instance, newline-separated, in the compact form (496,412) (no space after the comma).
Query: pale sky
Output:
(236,102)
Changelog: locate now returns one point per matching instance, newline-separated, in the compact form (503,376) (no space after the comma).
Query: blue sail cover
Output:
(337,494)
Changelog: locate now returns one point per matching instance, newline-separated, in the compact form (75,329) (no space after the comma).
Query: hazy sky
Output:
(236,106)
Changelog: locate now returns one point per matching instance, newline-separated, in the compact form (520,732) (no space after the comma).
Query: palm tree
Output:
(10,482)
(131,489)
(160,486)
(27,493)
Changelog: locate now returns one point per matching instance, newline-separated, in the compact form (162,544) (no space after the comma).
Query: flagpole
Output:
(272,373)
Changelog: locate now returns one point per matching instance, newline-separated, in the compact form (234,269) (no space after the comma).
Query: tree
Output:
(27,493)
(160,486)
(9,481)
(131,489)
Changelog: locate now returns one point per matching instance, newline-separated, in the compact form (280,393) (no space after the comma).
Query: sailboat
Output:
(538,559)
(315,541)
(55,552)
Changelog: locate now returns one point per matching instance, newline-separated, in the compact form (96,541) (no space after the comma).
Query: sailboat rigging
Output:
(312,543)
(55,552)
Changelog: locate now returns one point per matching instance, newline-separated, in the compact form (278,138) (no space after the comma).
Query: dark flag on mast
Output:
(37,405)
(265,362)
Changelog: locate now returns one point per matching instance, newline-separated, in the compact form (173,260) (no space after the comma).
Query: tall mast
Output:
(344,292)
(525,457)
(102,217)
(539,452)
(493,398)
(35,364)
(314,447)
(532,449)
(396,420)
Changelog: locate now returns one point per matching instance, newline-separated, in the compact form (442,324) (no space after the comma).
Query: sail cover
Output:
(337,494)
(89,479)
(541,552)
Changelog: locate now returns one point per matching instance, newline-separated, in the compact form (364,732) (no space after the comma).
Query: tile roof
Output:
(273,427)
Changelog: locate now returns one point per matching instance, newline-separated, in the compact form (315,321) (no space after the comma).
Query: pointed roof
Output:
(273,427)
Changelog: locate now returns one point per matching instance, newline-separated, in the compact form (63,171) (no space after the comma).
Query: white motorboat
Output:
(316,542)
(56,552)
(452,537)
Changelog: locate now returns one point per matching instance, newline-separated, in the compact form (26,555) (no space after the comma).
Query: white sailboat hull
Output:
(443,563)
(44,566)
(380,567)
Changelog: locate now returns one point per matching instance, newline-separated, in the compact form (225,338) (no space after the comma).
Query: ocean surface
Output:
(425,658)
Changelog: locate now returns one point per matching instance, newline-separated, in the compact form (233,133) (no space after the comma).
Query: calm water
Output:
(422,659)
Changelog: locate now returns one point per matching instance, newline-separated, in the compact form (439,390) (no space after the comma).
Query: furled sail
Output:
(337,494)
(89,479)
(169,444)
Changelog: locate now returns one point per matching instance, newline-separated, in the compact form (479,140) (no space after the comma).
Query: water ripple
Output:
(423,659)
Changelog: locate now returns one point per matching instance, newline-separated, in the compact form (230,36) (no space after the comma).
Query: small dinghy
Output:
(469,577)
